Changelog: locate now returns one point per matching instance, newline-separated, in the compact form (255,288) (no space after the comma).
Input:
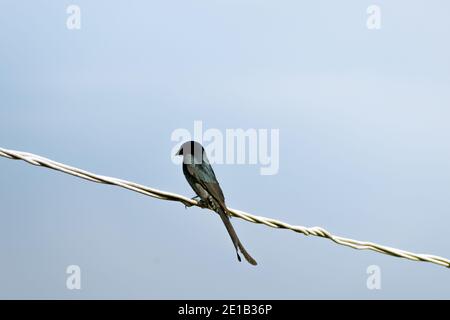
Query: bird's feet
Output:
(203,204)
(200,203)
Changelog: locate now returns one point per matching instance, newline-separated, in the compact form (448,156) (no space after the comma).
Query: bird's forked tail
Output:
(236,242)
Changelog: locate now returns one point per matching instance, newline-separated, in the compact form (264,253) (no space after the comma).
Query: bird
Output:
(200,175)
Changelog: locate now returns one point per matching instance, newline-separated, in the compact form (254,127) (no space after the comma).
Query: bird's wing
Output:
(204,174)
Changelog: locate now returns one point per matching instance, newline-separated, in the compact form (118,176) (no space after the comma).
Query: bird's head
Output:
(192,150)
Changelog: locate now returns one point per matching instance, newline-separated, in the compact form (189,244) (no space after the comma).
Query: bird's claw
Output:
(187,204)
(200,202)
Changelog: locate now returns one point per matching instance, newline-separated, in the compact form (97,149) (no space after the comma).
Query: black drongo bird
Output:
(201,177)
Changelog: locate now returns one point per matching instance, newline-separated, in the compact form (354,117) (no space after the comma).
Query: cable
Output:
(163,195)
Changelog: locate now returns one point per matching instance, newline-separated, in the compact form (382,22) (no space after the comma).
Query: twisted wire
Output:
(163,195)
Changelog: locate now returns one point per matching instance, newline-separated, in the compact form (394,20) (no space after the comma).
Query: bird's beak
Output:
(179,152)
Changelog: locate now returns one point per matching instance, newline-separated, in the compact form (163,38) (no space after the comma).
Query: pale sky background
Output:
(364,146)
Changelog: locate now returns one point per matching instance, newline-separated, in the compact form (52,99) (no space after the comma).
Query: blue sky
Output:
(364,146)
